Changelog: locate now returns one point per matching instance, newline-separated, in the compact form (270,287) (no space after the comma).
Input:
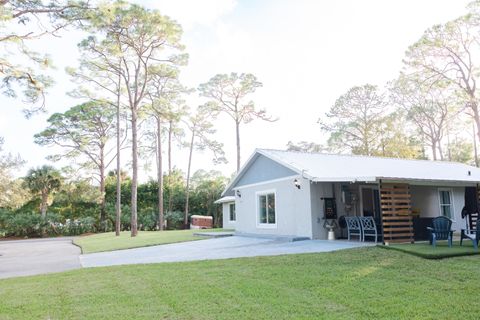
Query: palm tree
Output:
(43,181)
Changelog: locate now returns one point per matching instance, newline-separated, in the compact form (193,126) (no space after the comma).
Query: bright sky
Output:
(305,52)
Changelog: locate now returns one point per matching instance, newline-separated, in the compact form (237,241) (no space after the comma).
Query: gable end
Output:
(263,169)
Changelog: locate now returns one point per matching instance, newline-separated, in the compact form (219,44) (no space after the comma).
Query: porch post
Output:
(381,210)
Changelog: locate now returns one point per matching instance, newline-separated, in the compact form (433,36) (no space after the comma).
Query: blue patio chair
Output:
(369,228)
(473,235)
(441,230)
(354,227)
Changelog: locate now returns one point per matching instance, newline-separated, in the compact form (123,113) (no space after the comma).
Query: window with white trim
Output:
(232,213)
(266,209)
(446,203)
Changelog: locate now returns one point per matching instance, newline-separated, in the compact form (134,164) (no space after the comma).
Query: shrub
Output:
(147,219)
(24,225)
(32,225)
(174,220)
(124,218)
(75,227)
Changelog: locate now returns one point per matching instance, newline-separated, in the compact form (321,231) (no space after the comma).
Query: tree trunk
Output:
(170,193)
(161,218)
(449,152)
(187,190)
(102,187)
(133,220)
(209,212)
(434,150)
(170,135)
(475,150)
(476,117)
(44,204)
(366,148)
(440,151)
(118,204)
(237,132)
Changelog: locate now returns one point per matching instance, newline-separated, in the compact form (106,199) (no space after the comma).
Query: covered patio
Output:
(402,211)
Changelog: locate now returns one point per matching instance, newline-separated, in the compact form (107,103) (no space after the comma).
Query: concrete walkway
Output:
(37,256)
(220,248)
(41,256)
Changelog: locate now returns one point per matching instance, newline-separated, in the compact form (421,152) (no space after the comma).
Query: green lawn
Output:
(365,283)
(108,241)
(425,250)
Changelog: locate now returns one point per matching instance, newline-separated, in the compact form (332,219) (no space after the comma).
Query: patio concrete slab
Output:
(37,256)
(210,249)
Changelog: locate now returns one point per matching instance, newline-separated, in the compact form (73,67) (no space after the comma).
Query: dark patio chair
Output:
(369,228)
(473,235)
(354,227)
(441,230)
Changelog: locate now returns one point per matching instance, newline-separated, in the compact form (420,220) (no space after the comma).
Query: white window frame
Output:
(257,209)
(230,212)
(452,208)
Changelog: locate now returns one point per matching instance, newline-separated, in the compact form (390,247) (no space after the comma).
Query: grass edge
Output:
(429,256)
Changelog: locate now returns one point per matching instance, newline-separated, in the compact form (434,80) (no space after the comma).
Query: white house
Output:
(291,194)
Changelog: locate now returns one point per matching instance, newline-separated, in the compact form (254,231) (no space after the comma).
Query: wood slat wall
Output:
(396,208)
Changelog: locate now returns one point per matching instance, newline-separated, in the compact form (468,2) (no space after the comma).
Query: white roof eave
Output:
(433,181)
(378,179)
(225,199)
(345,179)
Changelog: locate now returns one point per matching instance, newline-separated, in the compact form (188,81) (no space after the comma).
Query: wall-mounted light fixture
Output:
(296,183)
(239,194)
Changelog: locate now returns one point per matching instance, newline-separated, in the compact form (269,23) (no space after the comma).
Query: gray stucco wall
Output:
(263,169)
(292,205)
(426,200)
(317,192)
(227,224)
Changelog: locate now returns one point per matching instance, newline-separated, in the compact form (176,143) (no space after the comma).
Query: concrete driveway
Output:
(220,248)
(37,256)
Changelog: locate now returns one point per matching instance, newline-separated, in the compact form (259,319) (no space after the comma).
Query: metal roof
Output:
(324,167)
(352,168)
